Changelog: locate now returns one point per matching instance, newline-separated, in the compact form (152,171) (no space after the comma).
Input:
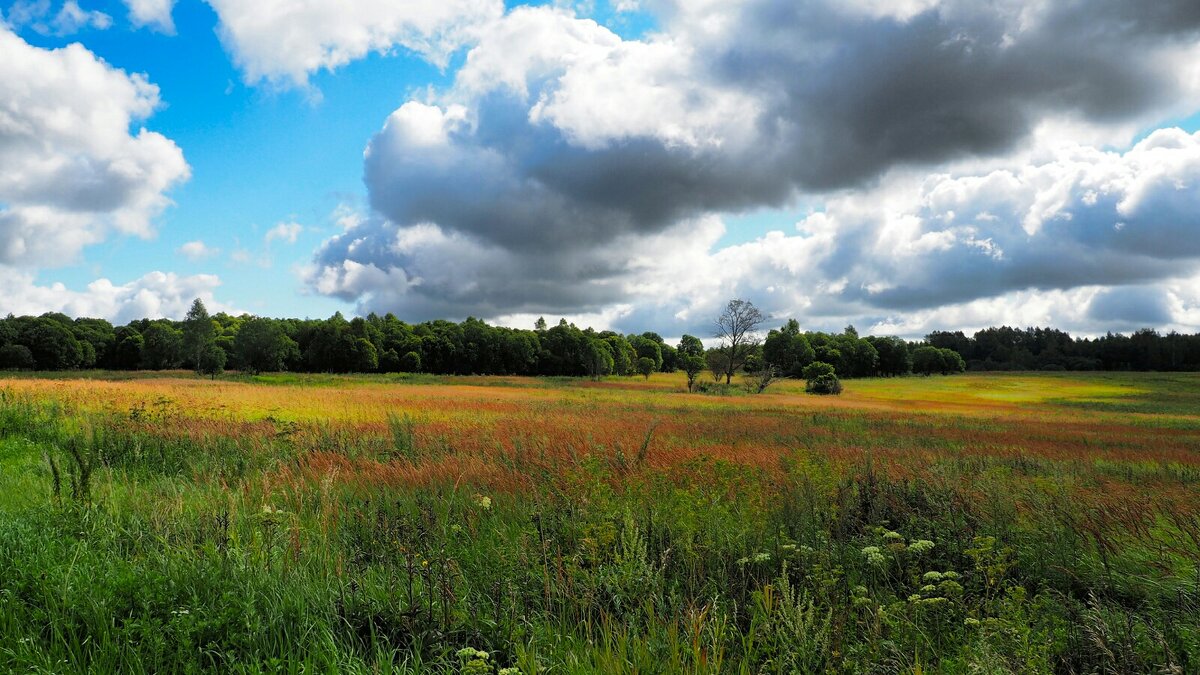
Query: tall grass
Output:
(271,546)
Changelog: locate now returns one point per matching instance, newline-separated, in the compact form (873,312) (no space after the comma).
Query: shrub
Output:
(821,379)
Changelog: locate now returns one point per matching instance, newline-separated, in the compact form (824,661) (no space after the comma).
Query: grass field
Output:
(1017,523)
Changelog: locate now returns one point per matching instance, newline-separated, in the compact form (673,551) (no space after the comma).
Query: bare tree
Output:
(761,379)
(737,329)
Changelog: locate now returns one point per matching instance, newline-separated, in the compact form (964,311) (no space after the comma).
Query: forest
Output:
(213,343)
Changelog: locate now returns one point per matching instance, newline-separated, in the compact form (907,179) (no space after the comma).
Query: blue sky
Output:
(260,155)
(784,155)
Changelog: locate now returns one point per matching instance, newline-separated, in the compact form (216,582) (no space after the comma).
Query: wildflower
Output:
(950,587)
(971,621)
(742,561)
(788,548)
(874,555)
(932,576)
(475,661)
(894,536)
(509,671)
(762,557)
(928,588)
(484,502)
(914,598)
(920,546)
(950,574)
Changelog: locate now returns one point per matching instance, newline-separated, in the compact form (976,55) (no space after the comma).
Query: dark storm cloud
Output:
(527,189)
(853,96)
(437,276)
(1130,308)
(842,97)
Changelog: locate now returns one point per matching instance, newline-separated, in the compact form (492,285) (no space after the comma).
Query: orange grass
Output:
(507,432)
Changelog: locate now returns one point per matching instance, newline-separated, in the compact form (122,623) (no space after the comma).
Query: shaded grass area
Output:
(172,526)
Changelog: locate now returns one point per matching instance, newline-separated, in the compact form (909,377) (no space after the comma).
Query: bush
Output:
(822,379)
(715,388)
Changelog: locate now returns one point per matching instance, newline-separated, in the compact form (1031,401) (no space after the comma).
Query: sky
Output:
(899,165)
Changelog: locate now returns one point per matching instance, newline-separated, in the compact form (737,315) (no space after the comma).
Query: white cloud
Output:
(197,250)
(155,14)
(286,232)
(584,80)
(960,154)
(71,170)
(72,18)
(1027,244)
(285,41)
(155,295)
(39,15)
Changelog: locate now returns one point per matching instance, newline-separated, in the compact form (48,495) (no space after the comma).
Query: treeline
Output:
(211,344)
(1007,348)
(386,344)
(335,345)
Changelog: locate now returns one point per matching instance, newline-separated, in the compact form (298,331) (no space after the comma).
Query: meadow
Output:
(997,523)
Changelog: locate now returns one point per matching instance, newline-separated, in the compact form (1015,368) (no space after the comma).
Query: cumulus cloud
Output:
(71,169)
(567,169)
(155,295)
(285,41)
(1082,219)
(285,232)
(155,14)
(197,250)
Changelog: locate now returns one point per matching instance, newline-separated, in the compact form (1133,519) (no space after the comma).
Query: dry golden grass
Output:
(498,430)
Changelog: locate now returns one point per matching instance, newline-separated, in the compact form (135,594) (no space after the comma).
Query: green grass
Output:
(171,546)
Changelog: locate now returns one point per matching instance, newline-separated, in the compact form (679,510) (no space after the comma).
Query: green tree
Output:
(198,333)
(788,349)
(410,363)
(16,357)
(211,361)
(645,366)
(648,348)
(261,346)
(51,342)
(162,348)
(597,355)
(692,367)
(928,360)
(894,357)
(127,354)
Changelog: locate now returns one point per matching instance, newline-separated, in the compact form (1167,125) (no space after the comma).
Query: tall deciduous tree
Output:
(198,333)
(737,328)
